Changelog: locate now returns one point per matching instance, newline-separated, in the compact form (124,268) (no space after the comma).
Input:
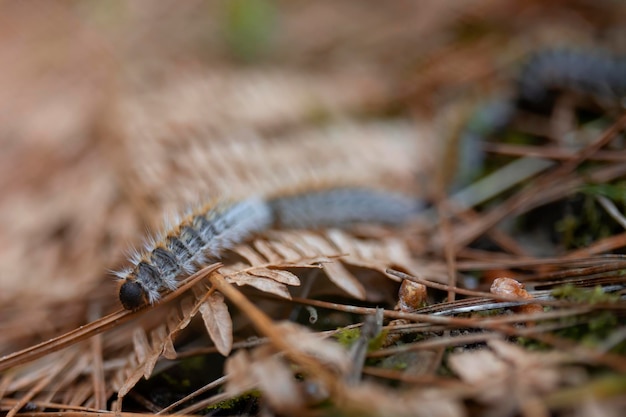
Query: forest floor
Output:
(504,296)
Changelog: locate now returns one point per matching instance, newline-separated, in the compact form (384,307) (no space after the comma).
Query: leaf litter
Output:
(106,136)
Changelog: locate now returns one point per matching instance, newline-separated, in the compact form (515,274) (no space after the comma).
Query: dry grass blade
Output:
(97,374)
(609,244)
(91,413)
(52,373)
(612,261)
(194,394)
(552,152)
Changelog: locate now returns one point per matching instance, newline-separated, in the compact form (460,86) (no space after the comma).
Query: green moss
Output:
(236,402)
(401,361)
(175,381)
(347,337)
(532,344)
(567,227)
(488,313)
(598,325)
(596,295)
(584,220)
(193,363)
(378,342)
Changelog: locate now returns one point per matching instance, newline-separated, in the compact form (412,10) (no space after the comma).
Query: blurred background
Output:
(112,112)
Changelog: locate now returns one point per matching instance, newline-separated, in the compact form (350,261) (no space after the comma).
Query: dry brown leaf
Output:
(250,255)
(522,358)
(160,338)
(376,400)
(329,249)
(328,352)
(264,284)
(218,322)
(141,362)
(141,345)
(283,250)
(507,368)
(345,280)
(237,371)
(343,248)
(478,367)
(266,369)
(275,378)
(267,249)
(134,371)
(341,154)
(376,254)
(284,277)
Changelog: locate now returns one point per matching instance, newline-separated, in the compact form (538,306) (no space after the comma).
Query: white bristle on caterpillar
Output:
(203,235)
(200,236)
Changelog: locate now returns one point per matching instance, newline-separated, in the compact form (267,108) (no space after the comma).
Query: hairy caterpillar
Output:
(204,234)
(596,75)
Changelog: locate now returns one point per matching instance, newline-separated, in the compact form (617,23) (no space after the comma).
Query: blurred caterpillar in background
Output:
(593,75)
(204,234)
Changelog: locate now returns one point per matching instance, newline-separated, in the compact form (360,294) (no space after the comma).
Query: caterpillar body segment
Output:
(342,207)
(199,237)
(598,75)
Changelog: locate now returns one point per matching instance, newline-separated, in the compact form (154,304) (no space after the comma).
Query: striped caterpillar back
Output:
(200,236)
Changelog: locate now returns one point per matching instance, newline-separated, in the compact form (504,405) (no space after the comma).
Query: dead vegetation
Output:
(506,297)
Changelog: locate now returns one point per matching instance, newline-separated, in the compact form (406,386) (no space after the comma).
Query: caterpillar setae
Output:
(204,234)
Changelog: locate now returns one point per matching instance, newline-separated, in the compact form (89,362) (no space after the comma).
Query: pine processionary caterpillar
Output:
(593,74)
(204,234)
(199,236)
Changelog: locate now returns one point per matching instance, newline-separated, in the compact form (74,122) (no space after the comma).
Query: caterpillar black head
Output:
(132,295)
(139,286)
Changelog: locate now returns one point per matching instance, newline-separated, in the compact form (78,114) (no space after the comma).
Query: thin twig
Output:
(99,326)
(612,210)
